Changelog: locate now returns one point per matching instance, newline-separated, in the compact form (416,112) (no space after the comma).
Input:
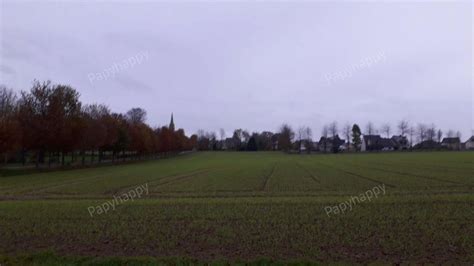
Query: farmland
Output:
(245,207)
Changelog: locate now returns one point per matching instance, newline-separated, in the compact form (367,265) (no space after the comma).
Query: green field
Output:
(245,207)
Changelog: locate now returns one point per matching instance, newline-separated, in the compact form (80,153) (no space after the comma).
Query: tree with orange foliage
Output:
(10,133)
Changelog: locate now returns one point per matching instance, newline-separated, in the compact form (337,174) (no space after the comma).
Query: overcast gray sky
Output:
(251,65)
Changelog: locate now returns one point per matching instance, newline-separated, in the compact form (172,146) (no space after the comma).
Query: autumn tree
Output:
(33,117)
(64,119)
(95,130)
(136,115)
(10,133)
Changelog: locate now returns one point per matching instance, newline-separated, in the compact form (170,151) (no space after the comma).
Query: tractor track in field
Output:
(181,177)
(32,190)
(358,175)
(228,194)
(267,177)
(42,186)
(314,177)
(174,178)
(426,166)
(416,175)
(76,182)
(413,175)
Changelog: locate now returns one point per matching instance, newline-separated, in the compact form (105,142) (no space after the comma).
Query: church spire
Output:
(171,123)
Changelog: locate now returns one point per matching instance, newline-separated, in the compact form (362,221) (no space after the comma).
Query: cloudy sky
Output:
(250,64)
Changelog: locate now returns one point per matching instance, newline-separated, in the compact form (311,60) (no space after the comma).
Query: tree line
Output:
(288,139)
(49,123)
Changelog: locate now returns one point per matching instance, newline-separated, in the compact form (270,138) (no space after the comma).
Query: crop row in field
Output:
(388,229)
(259,173)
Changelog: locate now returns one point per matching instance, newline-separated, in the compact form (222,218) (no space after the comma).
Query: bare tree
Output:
(222,133)
(431,132)
(386,129)
(285,138)
(411,133)
(324,132)
(201,133)
(439,135)
(450,133)
(301,135)
(309,139)
(458,134)
(421,132)
(369,128)
(309,133)
(403,127)
(347,130)
(304,137)
(333,129)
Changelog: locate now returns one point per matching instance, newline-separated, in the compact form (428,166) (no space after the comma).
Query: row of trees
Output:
(415,133)
(287,139)
(50,122)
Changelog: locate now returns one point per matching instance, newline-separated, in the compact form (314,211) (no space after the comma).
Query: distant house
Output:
(377,143)
(427,145)
(400,142)
(369,142)
(387,144)
(331,144)
(451,143)
(347,146)
(469,144)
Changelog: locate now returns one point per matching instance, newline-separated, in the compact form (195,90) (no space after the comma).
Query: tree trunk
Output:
(62,158)
(37,159)
(41,156)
